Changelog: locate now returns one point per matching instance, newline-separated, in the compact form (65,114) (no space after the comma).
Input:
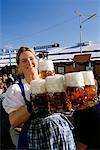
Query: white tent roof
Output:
(59,54)
(67,53)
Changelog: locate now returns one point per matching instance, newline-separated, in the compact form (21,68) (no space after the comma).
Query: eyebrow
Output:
(31,57)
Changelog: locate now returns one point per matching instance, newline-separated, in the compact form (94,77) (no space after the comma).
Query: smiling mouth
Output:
(31,67)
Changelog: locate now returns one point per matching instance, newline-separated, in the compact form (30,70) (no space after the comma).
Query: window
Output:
(61,69)
(89,66)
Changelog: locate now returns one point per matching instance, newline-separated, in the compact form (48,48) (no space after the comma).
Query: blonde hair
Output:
(23,49)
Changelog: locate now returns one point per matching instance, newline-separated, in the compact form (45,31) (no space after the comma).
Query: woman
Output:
(19,113)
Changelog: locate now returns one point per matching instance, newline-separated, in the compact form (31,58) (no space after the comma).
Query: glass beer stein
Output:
(38,95)
(56,93)
(90,88)
(74,84)
(46,68)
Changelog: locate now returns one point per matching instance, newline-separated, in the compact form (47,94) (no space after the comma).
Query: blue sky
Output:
(44,22)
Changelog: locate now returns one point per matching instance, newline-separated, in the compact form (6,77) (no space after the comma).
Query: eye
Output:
(31,58)
(24,60)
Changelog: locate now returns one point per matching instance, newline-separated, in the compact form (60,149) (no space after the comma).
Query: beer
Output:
(46,68)
(90,87)
(38,95)
(74,84)
(56,93)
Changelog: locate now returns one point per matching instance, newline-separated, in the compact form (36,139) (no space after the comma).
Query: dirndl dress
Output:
(53,132)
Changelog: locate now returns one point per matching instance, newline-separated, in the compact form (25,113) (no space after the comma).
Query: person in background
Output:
(9,81)
(11,77)
(1,87)
(87,127)
(6,143)
(19,112)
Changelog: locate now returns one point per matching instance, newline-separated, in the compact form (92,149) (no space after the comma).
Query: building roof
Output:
(68,53)
(58,54)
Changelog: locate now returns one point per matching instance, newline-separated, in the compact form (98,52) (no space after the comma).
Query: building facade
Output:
(66,59)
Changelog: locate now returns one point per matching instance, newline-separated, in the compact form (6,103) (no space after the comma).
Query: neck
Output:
(29,78)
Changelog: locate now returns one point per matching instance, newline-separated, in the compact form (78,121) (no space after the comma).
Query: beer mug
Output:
(38,95)
(90,87)
(74,84)
(46,68)
(56,93)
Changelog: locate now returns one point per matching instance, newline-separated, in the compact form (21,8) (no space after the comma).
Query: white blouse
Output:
(13,97)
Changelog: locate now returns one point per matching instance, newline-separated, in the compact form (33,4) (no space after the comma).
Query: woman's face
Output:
(28,63)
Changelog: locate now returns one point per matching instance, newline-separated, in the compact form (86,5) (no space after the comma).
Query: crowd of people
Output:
(48,131)
(5,82)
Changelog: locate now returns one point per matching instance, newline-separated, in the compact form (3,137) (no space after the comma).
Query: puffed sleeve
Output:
(13,98)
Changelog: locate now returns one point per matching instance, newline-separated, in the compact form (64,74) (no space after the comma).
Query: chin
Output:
(32,70)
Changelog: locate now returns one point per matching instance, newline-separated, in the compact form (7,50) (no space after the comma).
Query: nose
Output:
(30,62)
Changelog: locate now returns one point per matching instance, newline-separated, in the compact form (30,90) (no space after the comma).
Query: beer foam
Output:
(38,86)
(46,65)
(74,79)
(55,83)
(88,77)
